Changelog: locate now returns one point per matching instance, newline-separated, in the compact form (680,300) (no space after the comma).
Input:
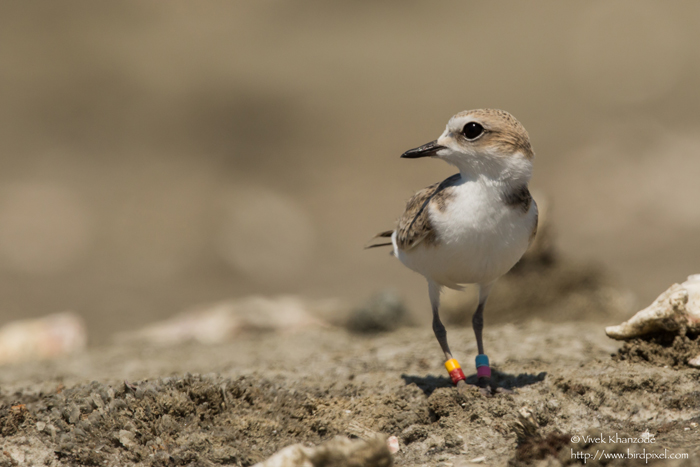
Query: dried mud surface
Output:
(237,404)
(663,349)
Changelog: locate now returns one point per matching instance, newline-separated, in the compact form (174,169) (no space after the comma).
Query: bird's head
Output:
(483,142)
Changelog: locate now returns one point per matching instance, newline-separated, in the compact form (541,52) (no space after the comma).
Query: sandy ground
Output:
(238,403)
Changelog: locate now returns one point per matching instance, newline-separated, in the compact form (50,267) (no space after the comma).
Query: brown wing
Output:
(414,224)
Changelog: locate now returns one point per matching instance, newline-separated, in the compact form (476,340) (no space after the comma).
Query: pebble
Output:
(393,443)
(127,438)
(383,312)
(97,400)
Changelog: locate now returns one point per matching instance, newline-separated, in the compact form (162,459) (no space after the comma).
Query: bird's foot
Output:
(489,388)
(484,383)
(484,386)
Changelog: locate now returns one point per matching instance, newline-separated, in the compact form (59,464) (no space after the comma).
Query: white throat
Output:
(491,168)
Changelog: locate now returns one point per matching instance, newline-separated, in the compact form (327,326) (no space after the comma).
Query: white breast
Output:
(480,238)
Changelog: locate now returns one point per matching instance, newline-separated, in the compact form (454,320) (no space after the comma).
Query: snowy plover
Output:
(472,227)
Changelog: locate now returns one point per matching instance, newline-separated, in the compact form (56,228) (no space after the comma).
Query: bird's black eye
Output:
(472,130)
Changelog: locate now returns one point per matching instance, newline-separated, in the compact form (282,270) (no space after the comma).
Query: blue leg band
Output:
(482,360)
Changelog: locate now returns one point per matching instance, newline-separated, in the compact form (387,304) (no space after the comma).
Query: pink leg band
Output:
(483,372)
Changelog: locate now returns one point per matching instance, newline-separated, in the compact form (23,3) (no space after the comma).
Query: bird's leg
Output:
(451,364)
(483,369)
(478,318)
(438,327)
(478,325)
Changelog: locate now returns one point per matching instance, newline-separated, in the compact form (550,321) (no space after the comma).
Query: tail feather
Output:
(377,245)
(386,234)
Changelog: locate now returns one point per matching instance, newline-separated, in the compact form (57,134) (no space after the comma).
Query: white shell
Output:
(41,338)
(676,308)
(219,322)
(340,449)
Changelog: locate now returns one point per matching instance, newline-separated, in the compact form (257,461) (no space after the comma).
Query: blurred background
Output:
(155,155)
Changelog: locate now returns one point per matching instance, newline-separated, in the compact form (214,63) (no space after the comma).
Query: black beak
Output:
(427,150)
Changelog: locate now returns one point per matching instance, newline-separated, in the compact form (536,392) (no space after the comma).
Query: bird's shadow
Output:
(430,383)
